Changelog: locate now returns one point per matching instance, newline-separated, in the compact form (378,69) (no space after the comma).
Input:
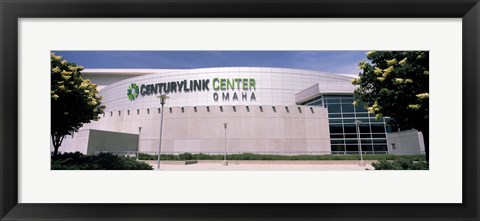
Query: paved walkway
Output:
(212,165)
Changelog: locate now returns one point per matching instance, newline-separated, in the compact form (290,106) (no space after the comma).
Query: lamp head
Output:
(163,97)
(225,125)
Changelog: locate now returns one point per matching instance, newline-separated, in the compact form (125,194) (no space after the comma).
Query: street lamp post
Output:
(225,163)
(138,147)
(357,123)
(162,97)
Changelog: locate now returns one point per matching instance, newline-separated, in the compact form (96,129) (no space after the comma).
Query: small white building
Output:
(406,142)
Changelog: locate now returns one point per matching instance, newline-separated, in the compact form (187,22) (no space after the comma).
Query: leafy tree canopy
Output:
(395,84)
(74,100)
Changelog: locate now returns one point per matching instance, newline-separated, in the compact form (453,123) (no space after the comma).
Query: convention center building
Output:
(237,110)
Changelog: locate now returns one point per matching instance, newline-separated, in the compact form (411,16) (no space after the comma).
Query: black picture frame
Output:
(12,10)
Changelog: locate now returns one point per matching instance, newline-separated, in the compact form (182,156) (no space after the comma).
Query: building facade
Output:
(267,110)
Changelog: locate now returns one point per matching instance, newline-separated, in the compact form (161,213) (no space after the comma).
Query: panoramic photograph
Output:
(239,110)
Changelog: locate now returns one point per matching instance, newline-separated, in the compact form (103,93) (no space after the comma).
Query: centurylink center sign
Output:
(239,88)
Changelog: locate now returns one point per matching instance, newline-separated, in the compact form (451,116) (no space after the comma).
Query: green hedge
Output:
(251,156)
(102,161)
(400,164)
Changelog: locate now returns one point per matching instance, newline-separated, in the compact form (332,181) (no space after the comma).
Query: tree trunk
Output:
(55,151)
(57,141)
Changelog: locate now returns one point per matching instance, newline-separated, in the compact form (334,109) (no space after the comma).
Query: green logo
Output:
(133,91)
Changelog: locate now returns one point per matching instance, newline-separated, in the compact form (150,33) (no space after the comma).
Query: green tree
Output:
(395,84)
(74,100)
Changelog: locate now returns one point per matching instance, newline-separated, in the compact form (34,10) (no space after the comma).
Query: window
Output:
(378,128)
(380,148)
(366,135)
(333,101)
(378,135)
(342,115)
(360,107)
(379,141)
(366,141)
(393,146)
(335,121)
(349,115)
(334,108)
(349,128)
(364,128)
(359,114)
(336,142)
(351,141)
(336,128)
(351,135)
(347,108)
(347,99)
(336,136)
(367,148)
(334,115)
(338,147)
(351,148)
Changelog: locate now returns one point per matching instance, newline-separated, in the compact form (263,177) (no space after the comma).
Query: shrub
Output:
(102,161)
(400,164)
(185,156)
(252,156)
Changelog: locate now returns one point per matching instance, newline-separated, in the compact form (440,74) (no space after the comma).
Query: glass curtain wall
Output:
(343,132)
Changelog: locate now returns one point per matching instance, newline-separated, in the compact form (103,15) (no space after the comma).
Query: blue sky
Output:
(330,61)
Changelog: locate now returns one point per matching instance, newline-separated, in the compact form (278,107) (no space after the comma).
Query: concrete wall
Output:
(406,142)
(111,141)
(260,129)
(89,141)
(77,142)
